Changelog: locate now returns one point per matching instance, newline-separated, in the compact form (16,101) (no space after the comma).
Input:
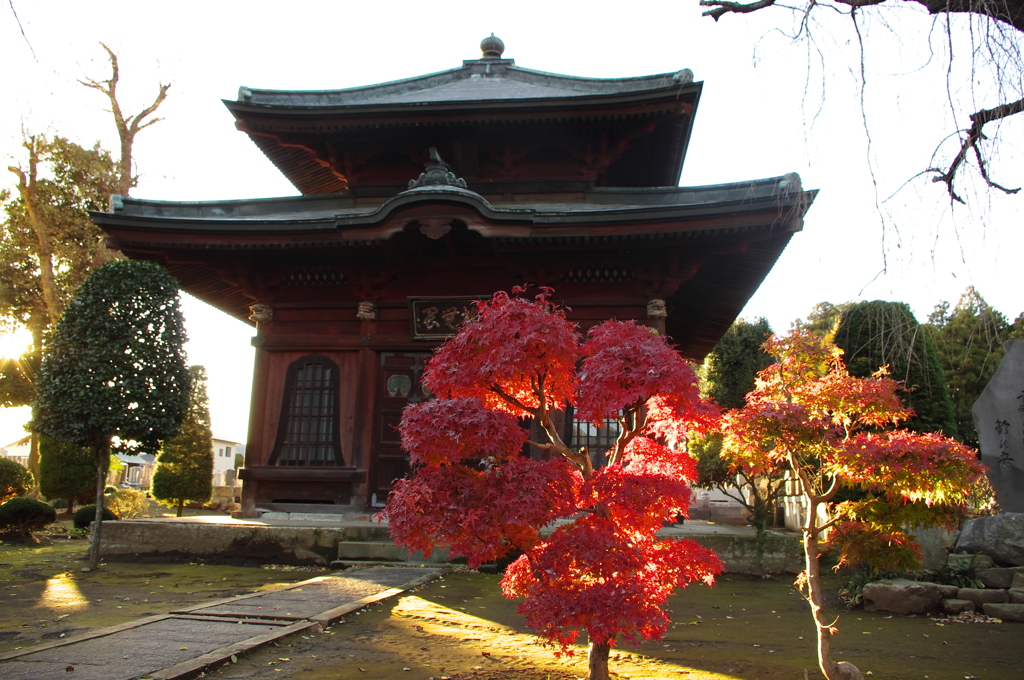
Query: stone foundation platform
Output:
(312,539)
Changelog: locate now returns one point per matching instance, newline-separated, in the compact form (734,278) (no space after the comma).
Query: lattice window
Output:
(598,440)
(308,433)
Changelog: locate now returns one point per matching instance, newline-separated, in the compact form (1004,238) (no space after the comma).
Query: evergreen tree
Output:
(185,465)
(115,368)
(729,370)
(969,341)
(727,375)
(823,319)
(880,334)
(66,471)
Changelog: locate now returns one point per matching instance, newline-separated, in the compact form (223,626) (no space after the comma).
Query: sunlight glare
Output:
(15,343)
(434,619)
(62,593)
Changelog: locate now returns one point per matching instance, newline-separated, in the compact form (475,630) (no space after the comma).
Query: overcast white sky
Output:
(769,107)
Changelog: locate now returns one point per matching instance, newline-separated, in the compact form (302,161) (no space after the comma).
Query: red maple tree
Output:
(829,429)
(603,570)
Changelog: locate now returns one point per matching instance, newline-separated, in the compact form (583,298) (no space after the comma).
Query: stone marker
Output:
(1000,423)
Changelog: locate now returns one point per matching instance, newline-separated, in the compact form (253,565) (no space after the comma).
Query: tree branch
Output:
(720,8)
(127,127)
(975,134)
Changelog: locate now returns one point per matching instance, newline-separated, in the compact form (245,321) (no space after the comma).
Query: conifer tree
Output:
(969,341)
(185,465)
(66,471)
(881,334)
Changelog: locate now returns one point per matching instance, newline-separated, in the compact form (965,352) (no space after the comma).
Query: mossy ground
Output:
(461,627)
(45,595)
(743,628)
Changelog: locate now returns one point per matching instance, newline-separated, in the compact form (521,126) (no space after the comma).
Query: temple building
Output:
(419,197)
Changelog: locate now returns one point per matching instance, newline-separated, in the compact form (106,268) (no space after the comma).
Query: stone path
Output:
(183,643)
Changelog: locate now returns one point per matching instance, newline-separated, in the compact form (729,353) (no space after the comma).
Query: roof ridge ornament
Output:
(438,173)
(492,47)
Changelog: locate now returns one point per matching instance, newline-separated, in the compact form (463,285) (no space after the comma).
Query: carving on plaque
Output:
(435,318)
(260,312)
(367,311)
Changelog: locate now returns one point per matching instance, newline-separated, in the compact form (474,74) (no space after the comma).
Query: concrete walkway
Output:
(183,643)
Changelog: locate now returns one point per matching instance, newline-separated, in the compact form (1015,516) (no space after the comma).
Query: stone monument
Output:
(999,419)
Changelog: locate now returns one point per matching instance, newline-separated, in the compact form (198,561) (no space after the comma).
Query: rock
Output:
(954,606)
(847,671)
(901,596)
(1001,537)
(980,596)
(948,591)
(965,562)
(936,545)
(1006,612)
(998,577)
(1016,595)
(1018,581)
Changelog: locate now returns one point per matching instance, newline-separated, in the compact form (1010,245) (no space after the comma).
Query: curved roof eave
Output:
(782,196)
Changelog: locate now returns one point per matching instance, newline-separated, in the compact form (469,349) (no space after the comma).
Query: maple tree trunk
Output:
(829,668)
(598,660)
(181,507)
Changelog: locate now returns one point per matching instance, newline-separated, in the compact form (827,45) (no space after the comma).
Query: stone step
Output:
(313,508)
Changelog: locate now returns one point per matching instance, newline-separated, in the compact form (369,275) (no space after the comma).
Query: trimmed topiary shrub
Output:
(14,480)
(127,503)
(23,515)
(87,513)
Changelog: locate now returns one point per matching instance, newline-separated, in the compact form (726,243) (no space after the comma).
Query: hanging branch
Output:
(975,134)
(127,127)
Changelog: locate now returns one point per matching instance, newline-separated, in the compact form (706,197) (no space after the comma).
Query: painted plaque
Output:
(436,318)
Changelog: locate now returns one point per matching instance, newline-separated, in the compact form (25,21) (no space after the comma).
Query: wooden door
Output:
(399,385)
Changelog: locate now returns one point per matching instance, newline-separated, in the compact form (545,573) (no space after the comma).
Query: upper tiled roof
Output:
(477,80)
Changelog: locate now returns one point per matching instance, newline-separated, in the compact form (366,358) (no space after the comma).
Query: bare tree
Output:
(998,42)
(128,127)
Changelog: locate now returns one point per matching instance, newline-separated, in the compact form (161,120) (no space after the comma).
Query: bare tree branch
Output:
(127,127)
(720,8)
(975,134)
(10,3)
(1009,12)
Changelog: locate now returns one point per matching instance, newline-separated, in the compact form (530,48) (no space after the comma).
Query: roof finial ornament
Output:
(492,47)
(438,173)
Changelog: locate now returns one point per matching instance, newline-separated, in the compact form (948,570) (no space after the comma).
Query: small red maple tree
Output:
(603,570)
(829,428)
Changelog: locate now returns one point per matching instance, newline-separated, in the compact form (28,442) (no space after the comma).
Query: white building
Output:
(224,459)
(18,451)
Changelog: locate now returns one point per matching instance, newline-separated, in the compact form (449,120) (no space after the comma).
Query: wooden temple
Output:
(422,195)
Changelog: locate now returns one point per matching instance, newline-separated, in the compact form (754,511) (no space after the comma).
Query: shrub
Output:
(127,503)
(25,515)
(87,513)
(66,471)
(14,480)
